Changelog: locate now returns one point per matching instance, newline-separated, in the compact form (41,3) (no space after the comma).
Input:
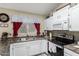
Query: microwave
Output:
(61,25)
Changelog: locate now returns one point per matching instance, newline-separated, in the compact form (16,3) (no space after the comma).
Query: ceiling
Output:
(36,8)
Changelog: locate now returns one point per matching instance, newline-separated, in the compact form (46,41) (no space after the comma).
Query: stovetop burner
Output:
(62,41)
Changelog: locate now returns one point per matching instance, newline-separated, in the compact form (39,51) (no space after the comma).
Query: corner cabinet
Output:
(61,19)
(74,18)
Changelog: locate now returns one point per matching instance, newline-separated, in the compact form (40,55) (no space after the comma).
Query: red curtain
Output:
(16,26)
(37,26)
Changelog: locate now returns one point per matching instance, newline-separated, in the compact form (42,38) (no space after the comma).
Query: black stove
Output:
(61,41)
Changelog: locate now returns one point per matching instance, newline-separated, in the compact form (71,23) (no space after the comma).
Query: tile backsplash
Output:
(75,33)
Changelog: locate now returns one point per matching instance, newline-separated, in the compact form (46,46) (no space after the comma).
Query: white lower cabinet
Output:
(35,47)
(22,51)
(68,52)
(34,50)
(44,46)
(19,49)
(28,48)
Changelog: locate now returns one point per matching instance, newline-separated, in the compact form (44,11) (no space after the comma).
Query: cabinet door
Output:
(34,50)
(35,47)
(19,50)
(61,14)
(61,19)
(65,24)
(74,18)
(44,46)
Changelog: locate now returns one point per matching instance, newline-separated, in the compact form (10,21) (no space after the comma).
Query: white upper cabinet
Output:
(61,19)
(74,18)
(64,19)
(48,23)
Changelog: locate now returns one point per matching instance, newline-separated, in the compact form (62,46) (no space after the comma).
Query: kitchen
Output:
(32,30)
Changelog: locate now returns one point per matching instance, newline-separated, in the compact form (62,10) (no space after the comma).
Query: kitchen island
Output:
(5,48)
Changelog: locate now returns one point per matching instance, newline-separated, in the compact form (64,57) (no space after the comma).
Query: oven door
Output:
(59,51)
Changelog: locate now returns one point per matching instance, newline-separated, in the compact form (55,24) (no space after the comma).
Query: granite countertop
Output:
(28,39)
(72,48)
(4,48)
